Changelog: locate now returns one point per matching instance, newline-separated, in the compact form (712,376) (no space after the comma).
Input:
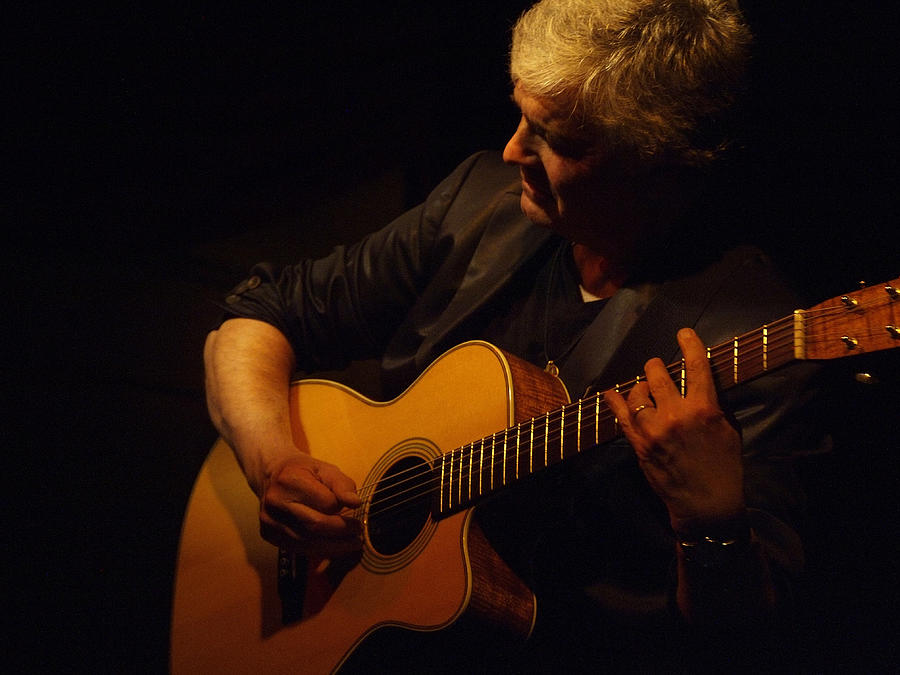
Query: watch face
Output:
(708,552)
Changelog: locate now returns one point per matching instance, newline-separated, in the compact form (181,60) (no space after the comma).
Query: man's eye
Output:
(565,146)
(561,145)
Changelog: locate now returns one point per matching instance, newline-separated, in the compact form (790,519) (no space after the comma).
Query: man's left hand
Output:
(687,449)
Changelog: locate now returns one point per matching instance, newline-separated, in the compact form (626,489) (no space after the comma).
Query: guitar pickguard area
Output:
(399,494)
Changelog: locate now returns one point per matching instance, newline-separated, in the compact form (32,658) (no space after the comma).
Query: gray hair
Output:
(652,78)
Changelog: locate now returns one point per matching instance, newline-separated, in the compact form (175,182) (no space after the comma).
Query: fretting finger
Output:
(626,412)
(696,365)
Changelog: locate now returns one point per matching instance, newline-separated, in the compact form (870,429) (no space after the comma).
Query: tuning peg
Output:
(851,342)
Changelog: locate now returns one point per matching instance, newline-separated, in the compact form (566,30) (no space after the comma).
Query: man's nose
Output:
(516,150)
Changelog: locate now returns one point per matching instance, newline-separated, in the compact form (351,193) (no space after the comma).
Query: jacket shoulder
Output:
(483,172)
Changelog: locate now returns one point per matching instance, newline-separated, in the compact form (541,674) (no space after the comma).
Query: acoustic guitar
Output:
(476,421)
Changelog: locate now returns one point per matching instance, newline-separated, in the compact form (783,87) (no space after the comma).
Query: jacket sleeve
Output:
(346,305)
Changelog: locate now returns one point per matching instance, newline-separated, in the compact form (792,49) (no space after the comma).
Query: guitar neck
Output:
(843,326)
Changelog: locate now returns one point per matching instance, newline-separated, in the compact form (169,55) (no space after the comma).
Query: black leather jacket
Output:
(412,290)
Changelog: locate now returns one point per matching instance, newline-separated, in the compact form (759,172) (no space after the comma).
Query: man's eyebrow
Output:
(536,127)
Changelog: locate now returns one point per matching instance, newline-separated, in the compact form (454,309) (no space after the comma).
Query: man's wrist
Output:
(711,544)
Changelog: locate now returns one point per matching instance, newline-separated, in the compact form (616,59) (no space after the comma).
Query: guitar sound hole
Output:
(400,505)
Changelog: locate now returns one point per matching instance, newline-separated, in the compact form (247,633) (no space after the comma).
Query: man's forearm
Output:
(249,365)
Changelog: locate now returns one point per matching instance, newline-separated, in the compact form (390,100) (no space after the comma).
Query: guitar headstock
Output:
(863,321)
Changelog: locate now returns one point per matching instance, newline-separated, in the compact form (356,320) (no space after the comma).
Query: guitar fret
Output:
(481,469)
(512,470)
(460,479)
(514,450)
(578,438)
(765,347)
(493,457)
(735,352)
(799,334)
(515,457)
(471,458)
(546,438)
(454,476)
(441,496)
(459,496)
(449,482)
(562,432)
(531,449)
(518,449)
(503,466)
(523,460)
(615,418)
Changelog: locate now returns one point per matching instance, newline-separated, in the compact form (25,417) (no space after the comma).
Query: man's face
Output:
(569,183)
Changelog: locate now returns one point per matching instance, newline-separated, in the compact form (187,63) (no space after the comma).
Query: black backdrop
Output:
(155,152)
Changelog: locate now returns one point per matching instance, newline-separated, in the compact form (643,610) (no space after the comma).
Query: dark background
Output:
(156,153)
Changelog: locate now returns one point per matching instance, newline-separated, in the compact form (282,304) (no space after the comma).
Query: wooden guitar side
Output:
(227,612)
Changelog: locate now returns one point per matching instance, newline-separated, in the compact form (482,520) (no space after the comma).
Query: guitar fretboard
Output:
(477,469)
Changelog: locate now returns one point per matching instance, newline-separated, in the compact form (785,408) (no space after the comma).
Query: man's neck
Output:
(599,276)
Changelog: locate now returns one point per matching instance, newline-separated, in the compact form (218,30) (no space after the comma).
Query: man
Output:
(561,256)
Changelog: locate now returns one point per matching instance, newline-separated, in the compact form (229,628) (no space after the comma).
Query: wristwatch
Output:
(720,547)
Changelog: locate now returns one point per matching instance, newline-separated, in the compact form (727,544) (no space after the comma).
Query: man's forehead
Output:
(547,114)
(538,109)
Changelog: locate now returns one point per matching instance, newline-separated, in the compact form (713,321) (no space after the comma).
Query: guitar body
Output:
(227,612)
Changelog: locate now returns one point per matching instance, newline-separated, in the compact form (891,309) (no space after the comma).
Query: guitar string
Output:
(553,437)
(553,434)
(503,466)
(436,482)
(625,388)
(421,489)
(589,404)
(593,414)
(721,356)
(495,463)
(726,348)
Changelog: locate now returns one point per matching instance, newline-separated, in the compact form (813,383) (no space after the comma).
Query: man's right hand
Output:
(307,506)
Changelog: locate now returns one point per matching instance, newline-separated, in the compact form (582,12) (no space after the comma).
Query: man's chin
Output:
(536,213)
